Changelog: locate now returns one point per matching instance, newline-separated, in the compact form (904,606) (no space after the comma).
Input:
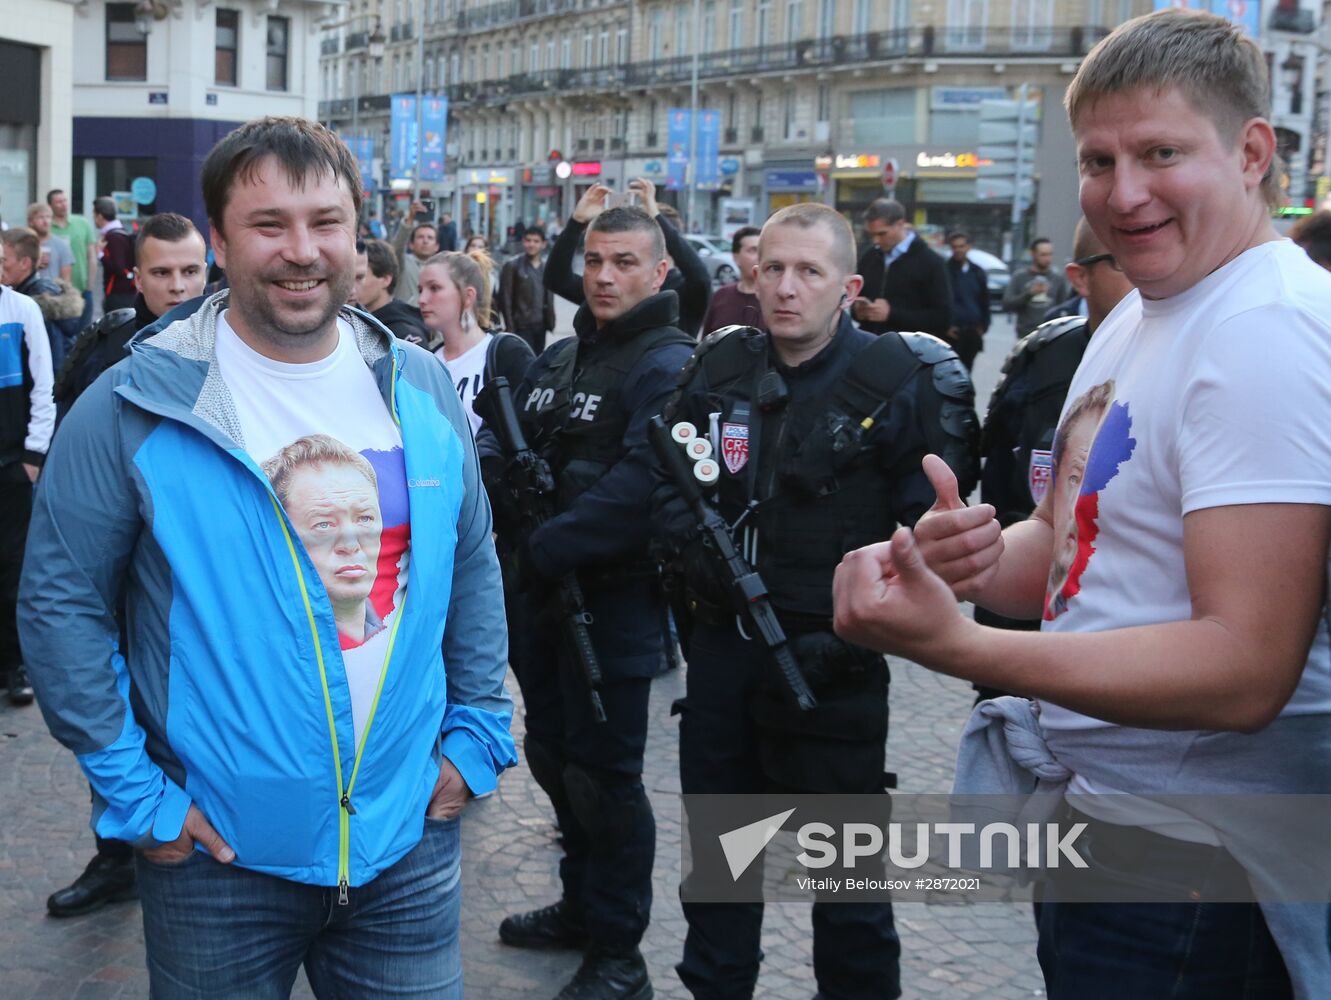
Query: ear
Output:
(468,298)
(138,285)
(218,242)
(1076,277)
(1257,148)
(658,279)
(854,285)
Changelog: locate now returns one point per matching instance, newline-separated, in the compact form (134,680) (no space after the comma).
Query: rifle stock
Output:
(747,591)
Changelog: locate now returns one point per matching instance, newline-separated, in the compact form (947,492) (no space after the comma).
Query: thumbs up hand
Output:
(885,597)
(961,544)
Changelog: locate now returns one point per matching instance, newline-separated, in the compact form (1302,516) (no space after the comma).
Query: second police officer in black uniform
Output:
(584,407)
(1018,438)
(819,429)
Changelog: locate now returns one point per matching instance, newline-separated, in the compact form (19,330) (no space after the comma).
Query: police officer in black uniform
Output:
(819,428)
(584,407)
(1018,438)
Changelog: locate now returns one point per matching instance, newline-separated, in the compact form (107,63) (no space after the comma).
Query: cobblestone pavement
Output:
(980,950)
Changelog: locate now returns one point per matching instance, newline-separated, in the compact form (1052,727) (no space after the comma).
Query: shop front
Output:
(542,198)
(487,205)
(789,184)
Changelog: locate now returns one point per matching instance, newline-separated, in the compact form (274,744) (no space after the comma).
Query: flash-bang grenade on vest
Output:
(533,490)
(748,593)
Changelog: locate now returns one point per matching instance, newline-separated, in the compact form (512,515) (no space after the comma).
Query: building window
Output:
(655,31)
(586,50)
(566,53)
(226,46)
(279,36)
(603,47)
(709,26)
(862,17)
(1032,24)
(736,32)
(788,115)
(824,102)
(550,53)
(764,32)
(621,46)
(826,18)
(794,19)
(683,29)
(126,49)
(967,21)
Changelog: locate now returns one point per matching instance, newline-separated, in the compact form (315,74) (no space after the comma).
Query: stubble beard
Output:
(265,320)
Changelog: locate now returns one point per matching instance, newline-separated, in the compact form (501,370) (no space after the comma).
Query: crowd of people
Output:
(410,492)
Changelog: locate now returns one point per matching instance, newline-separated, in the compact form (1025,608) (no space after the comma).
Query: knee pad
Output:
(610,809)
(546,763)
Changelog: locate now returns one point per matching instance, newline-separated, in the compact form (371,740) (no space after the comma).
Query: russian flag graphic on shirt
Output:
(1093,441)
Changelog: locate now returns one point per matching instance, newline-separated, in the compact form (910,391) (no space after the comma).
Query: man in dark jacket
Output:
(528,307)
(116,250)
(448,233)
(584,407)
(905,283)
(688,278)
(970,300)
(58,306)
(376,279)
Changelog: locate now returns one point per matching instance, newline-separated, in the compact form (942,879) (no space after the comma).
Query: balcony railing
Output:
(494,15)
(328,47)
(357,40)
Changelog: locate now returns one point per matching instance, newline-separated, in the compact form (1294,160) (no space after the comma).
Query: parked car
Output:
(716,256)
(996,272)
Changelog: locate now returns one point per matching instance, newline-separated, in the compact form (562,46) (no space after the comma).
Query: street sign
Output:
(1009,134)
(890,168)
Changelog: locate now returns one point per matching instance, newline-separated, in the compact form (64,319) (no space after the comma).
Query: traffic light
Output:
(1009,131)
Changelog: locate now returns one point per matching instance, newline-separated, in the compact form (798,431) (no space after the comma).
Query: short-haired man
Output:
(82,241)
(115,248)
(376,279)
(528,307)
(1313,233)
(172,268)
(448,232)
(1033,291)
(27,419)
(60,307)
(905,283)
(1183,657)
(57,262)
(414,243)
(737,304)
(970,300)
(584,407)
(737,734)
(260,760)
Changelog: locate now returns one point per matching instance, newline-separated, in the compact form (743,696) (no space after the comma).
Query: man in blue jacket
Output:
(293,787)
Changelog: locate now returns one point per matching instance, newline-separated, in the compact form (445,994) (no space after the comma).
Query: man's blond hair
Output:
(1217,67)
(316,450)
(806,215)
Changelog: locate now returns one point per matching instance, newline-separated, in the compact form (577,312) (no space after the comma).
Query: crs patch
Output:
(1040,474)
(735,446)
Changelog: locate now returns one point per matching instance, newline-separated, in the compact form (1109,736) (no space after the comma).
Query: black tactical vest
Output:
(574,415)
(815,480)
(1018,439)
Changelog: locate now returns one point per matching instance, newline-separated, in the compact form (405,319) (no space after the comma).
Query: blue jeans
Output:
(225,933)
(1192,949)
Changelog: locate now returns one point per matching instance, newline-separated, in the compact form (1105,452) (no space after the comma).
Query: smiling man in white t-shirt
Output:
(1181,575)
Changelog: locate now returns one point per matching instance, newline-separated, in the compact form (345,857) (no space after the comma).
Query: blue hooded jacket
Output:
(231,693)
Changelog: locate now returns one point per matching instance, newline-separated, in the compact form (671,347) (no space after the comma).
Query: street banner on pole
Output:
(434,123)
(709,150)
(402,137)
(679,124)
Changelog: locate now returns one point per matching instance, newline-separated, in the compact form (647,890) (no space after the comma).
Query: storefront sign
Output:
(791,180)
(853,161)
(144,190)
(541,174)
(963,98)
(654,167)
(479,177)
(950,161)
(729,166)
(589,169)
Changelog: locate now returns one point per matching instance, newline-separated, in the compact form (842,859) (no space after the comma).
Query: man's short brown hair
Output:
(169,227)
(382,261)
(22,242)
(808,214)
(1209,59)
(302,148)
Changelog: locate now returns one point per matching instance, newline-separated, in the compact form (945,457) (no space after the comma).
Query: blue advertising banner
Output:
(362,147)
(402,136)
(1245,13)
(709,150)
(678,144)
(434,123)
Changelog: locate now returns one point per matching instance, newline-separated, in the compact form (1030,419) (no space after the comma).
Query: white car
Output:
(716,257)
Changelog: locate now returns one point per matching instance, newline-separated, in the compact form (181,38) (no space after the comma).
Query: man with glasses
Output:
(1023,412)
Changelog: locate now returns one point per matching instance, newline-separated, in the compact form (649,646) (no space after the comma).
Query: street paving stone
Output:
(509,864)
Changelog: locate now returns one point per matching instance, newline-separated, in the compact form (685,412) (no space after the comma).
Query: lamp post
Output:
(693,119)
(420,96)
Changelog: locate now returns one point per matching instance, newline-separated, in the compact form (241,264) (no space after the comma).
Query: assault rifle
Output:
(532,488)
(748,593)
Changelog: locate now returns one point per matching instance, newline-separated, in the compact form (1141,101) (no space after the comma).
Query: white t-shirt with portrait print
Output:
(1218,396)
(357,531)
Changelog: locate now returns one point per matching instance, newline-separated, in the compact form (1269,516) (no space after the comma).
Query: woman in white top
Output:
(455,304)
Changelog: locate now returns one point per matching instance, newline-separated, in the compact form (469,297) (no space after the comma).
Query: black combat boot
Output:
(20,691)
(105,880)
(607,974)
(553,926)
